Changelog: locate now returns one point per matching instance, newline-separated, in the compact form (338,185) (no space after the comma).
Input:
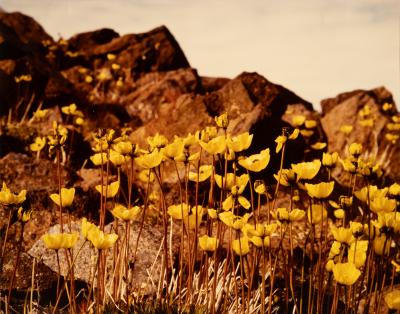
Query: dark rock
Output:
(44,277)
(212,84)
(27,29)
(156,50)
(154,89)
(345,110)
(85,42)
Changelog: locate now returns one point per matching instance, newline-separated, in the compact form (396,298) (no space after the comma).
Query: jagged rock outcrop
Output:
(363,110)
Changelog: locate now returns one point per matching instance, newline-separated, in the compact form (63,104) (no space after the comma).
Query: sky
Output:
(316,48)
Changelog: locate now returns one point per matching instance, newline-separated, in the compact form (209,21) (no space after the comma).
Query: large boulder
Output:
(364,111)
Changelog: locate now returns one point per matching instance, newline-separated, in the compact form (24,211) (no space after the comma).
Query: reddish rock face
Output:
(349,109)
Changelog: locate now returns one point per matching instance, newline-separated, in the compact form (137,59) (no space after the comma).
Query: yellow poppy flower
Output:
(175,149)
(346,273)
(111,56)
(60,240)
(348,165)
(298,120)
(393,126)
(365,111)
(100,240)
(233,221)
(230,180)
(259,230)
(283,215)
(99,159)
(256,162)
(357,253)
(307,133)
(67,197)
(123,147)
(329,265)
(317,213)
(329,160)
(38,144)
(388,220)
(346,128)
(394,189)
(392,137)
(222,121)
(286,177)
(178,211)
(392,299)
(215,146)
(71,110)
(367,122)
(240,142)
(335,249)
(381,245)
(117,158)
(195,218)
(150,160)
(382,204)
(318,146)
(209,244)
(306,170)
(241,246)
(146,176)
(259,187)
(86,226)
(126,214)
(203,174)
(9,198)
(371,191)
(320,190)
(342,235)
(294,135)
(157,141)
(386,106)
(339,213)
(108,191)
(207,134)
(280,140)
(212,213)
(310,124)
(24,215)
(40,114)
(355,149)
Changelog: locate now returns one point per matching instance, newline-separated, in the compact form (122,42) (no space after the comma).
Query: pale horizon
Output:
(315,48)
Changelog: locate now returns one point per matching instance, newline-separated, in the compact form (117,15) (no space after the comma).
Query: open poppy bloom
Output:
(256,162)
(178,211)
(101,240)
(241,246)
(346,273)
(392,299)
(240,142)
(58,241)
(306,170)
(66,199)
(215,146)
(150,160)
(320,190)
(209,244)
(38,144)
(125,213)
(9,198)
(108,191)
(203,174)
